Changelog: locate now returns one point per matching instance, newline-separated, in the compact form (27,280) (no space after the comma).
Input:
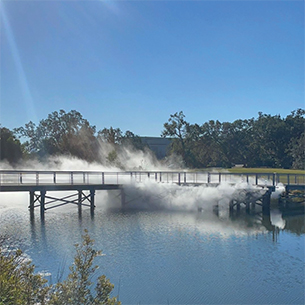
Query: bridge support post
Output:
(80,193)
(32,199)
(266,202)
(123,197)
(92,206)
(248,207)
(231,206)
(42,203)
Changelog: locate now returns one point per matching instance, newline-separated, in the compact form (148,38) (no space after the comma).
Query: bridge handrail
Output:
(181,177)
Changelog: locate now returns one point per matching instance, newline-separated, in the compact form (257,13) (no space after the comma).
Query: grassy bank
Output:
(264,170)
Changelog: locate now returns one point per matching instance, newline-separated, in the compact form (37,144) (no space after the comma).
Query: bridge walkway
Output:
(38,183)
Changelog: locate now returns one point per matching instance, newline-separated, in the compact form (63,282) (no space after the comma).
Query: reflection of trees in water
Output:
(295,223)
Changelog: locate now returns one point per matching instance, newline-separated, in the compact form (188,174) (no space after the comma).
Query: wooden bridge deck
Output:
(79,181)
(57,187)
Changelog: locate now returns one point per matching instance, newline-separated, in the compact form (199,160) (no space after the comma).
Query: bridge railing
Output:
(186,177)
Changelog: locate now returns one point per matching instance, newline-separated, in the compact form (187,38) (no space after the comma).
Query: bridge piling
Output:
(92,195)
(80,199)
(248,207)
(231,205)
(32,199)
(42,203)
(266,202)
(123,197)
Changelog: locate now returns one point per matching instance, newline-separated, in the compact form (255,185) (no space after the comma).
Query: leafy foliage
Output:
(61,133)
(20,285)
(10,146)
(269,141)
(69,133)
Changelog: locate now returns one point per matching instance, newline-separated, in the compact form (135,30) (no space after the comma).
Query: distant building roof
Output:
(157,144)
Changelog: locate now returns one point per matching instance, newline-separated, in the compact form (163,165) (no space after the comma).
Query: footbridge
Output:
(84,184)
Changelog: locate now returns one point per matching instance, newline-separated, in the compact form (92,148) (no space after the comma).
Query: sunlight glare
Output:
(28,99)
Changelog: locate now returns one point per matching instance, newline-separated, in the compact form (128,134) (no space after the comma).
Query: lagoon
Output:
(164,256)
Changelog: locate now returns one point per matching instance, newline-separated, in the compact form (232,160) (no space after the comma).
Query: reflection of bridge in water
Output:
(251,189)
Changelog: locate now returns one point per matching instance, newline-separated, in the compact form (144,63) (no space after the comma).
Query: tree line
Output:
(63,133)
(265,141)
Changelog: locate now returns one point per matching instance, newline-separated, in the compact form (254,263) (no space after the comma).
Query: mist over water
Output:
(147,194)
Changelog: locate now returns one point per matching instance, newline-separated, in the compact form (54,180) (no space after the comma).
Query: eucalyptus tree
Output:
(297,151)
(61,133)
(10,146)
(177,128)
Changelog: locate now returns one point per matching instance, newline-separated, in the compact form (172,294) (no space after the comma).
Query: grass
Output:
(265,170)
(286,176)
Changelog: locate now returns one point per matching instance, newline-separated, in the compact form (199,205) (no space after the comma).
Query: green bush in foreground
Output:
(19,284)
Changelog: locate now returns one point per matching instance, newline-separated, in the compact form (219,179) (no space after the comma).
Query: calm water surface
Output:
(167,257)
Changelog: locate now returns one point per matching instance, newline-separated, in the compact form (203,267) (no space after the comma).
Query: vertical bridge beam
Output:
(123,197)
(80,200)
(266,200)
(32,200)
(42,203)
(92,193)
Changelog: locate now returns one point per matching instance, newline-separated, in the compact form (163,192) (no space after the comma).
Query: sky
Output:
(131,64)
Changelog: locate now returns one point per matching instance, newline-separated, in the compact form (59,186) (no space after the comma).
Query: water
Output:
(170,257)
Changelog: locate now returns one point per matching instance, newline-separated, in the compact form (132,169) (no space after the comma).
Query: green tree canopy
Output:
(10,146)
(61,133)
(269,141)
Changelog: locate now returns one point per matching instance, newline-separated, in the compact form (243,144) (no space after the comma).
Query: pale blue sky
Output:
(130,64)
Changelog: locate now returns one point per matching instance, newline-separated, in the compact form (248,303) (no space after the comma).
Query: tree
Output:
(177,128)
(19,285)
(77,289)
(10,147)
(61,133)
(297,152)
(111,135)
(131,140)
(269,141)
